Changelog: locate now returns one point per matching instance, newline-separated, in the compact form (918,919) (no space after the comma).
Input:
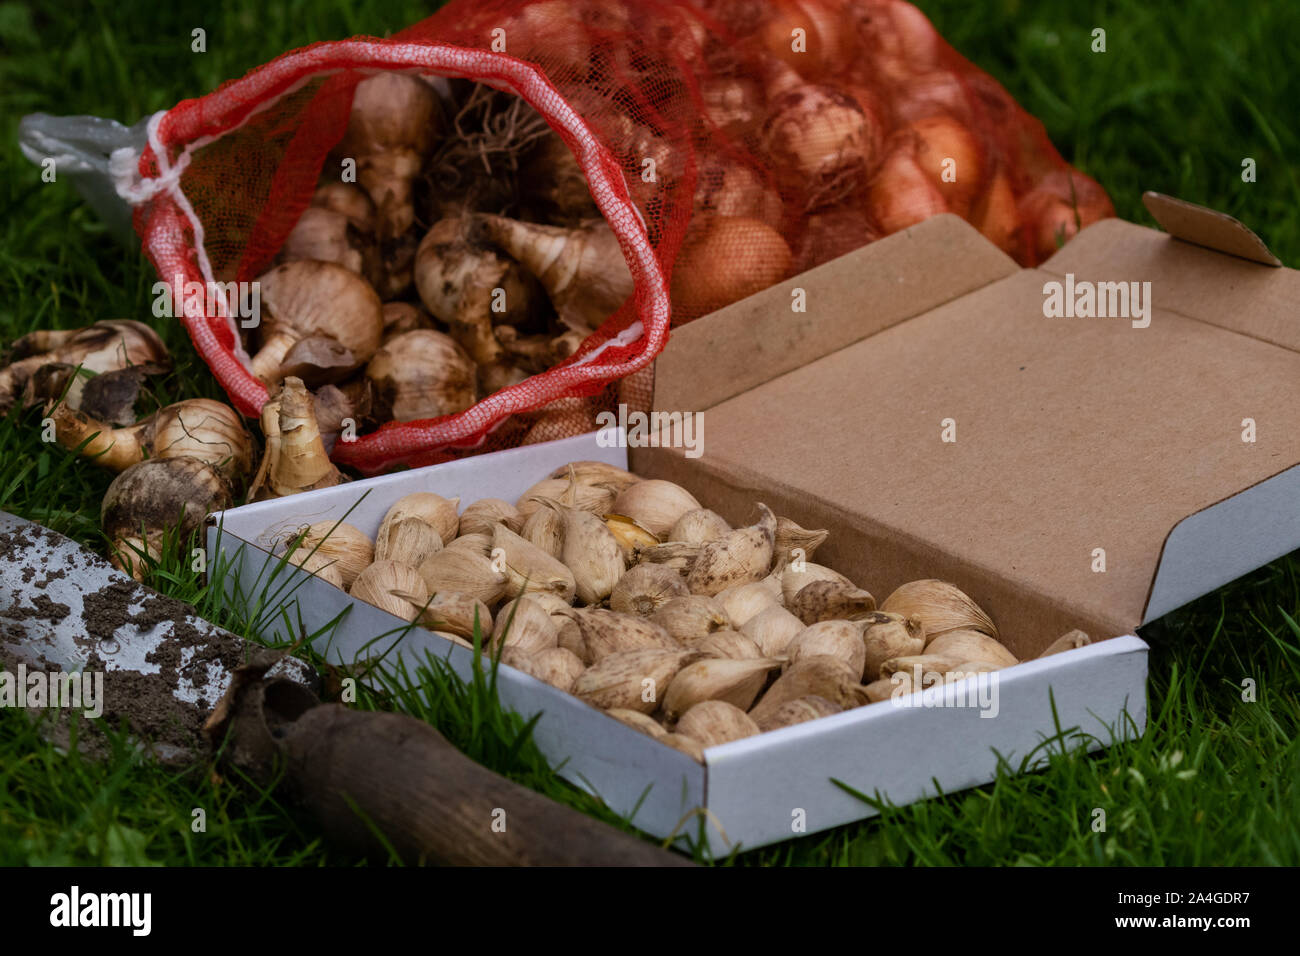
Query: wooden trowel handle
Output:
(363,772)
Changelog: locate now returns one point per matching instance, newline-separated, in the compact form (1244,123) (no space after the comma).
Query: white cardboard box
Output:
(757,791)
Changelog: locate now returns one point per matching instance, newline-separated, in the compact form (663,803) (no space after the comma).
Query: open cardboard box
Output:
(1081,444)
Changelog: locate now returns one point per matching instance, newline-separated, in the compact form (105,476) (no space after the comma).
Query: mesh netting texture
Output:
(727,145)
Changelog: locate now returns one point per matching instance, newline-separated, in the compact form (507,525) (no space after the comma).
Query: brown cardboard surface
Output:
(847,299)
(1072,433)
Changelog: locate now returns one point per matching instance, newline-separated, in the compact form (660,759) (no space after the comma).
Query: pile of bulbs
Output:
(632,596)
(406,292)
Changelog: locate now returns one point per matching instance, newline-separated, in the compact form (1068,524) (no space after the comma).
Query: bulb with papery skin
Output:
(155,498)
(422,374)
(392,127)
(305,298)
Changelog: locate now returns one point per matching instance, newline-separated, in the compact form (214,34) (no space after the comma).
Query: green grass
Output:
(1183,94)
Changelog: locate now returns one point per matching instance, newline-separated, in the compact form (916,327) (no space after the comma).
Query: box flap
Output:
(1080,444)
(846,299)
(1207,227)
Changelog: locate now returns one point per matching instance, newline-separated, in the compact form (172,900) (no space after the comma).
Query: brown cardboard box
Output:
(1072,434)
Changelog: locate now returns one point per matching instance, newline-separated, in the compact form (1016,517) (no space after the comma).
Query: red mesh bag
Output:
(728,144)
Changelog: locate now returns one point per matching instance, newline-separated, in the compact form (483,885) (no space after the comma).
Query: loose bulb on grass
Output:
(153,499)
(101,347)
(109,396)
(196,428)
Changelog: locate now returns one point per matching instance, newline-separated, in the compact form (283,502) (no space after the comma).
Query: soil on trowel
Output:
(144,703)
(43,608)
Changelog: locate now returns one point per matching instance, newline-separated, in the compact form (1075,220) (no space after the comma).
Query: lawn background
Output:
(1184,92)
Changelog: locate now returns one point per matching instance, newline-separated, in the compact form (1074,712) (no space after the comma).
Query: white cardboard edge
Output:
(760,787)
(365,502)
(754,790)
(1208,549)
